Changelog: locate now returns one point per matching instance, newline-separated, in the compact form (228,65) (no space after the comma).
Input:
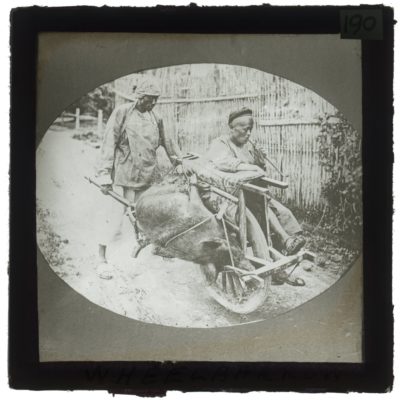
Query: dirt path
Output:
(148,288)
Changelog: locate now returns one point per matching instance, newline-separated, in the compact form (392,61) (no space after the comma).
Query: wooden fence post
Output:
(77,114)
(99,122)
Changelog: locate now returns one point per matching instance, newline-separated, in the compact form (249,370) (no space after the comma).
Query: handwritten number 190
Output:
(356,22)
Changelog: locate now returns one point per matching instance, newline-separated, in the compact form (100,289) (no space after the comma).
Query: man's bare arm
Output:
(171,147)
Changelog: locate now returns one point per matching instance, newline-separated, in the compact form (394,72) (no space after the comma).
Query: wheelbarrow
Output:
(239,290)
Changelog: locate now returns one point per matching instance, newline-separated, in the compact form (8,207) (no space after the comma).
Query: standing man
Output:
(128,158)
(234,152)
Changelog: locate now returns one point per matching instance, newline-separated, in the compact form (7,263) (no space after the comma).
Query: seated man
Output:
(234,152)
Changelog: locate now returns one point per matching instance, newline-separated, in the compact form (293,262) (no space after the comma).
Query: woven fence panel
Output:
(197,99)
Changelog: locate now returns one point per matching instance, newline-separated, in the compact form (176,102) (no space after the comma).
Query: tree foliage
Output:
(101,98)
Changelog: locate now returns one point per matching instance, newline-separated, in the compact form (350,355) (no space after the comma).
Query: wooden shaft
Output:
(120,199)
(242,220)
(224,194)
(238,285)
(245,277)
(234,227)
(275,183)
(223,279)
(231,283)
(227,239)
(111,193)
(266,210)
(276,266)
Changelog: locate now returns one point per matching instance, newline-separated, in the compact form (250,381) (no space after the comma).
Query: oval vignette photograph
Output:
(200,195)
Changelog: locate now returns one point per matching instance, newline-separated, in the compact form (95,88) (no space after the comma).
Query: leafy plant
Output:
(340,156)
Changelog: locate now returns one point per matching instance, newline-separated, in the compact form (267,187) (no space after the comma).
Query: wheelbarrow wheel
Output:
(234,292)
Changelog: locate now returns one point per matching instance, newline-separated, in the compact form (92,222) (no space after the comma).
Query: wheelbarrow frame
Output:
(279,262)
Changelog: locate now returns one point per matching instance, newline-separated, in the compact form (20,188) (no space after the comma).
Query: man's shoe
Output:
(282,277)
(279,278)
(105,270)
(293,244)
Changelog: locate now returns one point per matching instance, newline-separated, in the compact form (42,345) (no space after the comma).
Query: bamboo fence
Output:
(197,99)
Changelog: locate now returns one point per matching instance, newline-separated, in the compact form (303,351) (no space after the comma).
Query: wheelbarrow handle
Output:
(111,193)
(187,156)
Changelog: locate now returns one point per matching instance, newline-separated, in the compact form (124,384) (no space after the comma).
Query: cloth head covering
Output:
(239,113)
(147,86)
